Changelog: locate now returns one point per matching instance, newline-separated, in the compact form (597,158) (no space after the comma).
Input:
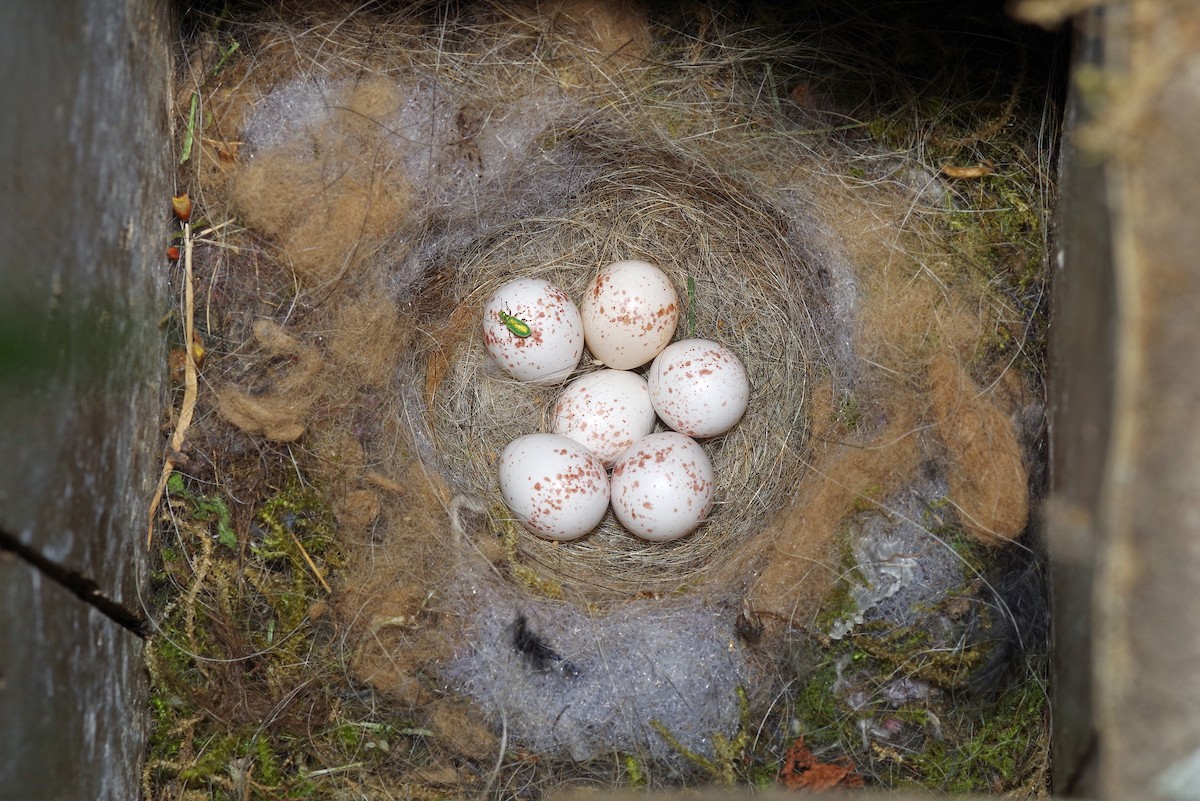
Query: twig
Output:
(385,483)
(190,384)
(311,565)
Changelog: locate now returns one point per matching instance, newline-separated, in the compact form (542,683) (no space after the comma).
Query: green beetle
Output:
(515,324)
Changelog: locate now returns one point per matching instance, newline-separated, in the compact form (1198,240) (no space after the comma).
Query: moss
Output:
(243,686)
(730,757)
(824,720)
(635,774)
(839,605)
(297,531)
(207,509)
(508,533)
(1013,270)
(944,742)
(941,740)
(763,775)
(853,692)
(914,651)
(975,557)
(297,516)
(987,747)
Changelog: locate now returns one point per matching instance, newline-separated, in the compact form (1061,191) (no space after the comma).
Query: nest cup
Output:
(742,279)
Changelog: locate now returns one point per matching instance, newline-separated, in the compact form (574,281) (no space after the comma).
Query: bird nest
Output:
(742,271)
(365,178)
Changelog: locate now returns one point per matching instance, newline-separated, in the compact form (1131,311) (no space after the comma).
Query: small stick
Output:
(190,384)
(311,565)
(385,483)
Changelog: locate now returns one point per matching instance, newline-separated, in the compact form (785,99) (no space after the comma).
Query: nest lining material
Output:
(752,291)
(407,210)
(595,682)
(393,205)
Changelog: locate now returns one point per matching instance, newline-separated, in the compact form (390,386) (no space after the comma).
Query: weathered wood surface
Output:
(1124,522)
(1082,355)
(84,191)
(1147,609)
(72,695)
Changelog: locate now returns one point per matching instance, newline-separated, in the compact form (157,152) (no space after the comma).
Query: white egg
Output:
(606,412)
(533,330)
(630,312)
(555,487)
(699,387)
(662,487)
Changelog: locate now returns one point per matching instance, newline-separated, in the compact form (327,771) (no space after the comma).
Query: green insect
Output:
(518,326)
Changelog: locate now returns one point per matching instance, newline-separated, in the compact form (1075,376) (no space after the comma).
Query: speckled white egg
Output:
(662,487)
(606,412)
(699,387)
(555,487)
(533,330)
(630,312)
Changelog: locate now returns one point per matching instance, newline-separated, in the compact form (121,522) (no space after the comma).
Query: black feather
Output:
(537,652)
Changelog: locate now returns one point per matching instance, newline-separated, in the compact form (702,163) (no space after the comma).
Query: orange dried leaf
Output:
(802,771)
(182,206)
(177,359)
(824,776)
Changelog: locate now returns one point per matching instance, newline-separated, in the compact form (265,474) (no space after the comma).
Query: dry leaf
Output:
(802,771)
(182,206)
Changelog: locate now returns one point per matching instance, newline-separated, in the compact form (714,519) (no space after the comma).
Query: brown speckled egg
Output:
(555,487)
(699,387)
(606,412)
(662,487)
(630,312)
(533,331)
